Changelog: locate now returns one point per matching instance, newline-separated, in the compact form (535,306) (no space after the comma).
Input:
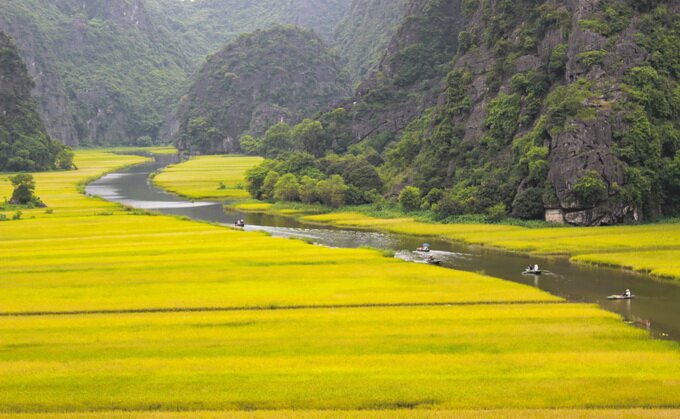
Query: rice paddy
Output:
(106,312)
(203,177)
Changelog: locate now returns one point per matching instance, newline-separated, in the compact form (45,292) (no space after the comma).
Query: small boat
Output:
(621,297)
(240,223)
(425,248)
(532,272)
(434,262)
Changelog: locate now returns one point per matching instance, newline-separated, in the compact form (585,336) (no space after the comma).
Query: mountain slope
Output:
(252,83)
(24,142)
(364,33)
(564,110)
(110,72)
(568,109)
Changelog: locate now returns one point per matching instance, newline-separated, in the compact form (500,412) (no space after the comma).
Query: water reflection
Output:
(656,308)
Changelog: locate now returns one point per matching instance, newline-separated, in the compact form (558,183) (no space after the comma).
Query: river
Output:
(656,308)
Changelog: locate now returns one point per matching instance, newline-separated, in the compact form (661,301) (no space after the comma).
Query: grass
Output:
(481,357)
(231,334)
(204,177)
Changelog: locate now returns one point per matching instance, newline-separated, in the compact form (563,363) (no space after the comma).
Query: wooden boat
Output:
(434,262)
(532,272)
(425,248)
(620,297)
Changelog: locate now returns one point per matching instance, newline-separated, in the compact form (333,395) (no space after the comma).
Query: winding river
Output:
(656,308)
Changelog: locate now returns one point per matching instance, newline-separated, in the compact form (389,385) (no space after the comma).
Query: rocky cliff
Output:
(567,110)
(24,142)
(256,81)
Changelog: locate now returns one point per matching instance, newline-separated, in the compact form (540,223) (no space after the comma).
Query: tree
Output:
(277,140)
(24,188)
(287,188)
(64,159)
(250,145)
(590,189)
(144,141)
(308,136)
(202,133)
(255,179)
(307,190)
(332,191)
(410,198)
(269,184)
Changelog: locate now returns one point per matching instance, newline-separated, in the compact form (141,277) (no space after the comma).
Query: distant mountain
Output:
(364,33)
(24,142)
(283,73)
(110,72)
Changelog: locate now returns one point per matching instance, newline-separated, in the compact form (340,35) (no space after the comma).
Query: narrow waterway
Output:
(656,308)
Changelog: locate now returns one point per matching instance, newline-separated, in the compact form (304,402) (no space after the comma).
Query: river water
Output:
(656,308)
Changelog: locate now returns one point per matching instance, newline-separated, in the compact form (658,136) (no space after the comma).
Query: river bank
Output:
(651,248)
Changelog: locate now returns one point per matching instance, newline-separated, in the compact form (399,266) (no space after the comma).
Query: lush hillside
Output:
(24,142)
(285,73)
(111,72)
(568,110)
(364,33)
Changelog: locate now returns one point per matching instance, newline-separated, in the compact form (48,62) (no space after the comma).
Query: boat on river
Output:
(425,248)
(621,297)
(532,272)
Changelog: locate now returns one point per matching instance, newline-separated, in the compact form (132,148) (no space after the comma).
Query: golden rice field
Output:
(108,313)
(202,177)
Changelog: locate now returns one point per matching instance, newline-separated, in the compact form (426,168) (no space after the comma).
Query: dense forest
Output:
(24,142)
(519,108)
(285,73)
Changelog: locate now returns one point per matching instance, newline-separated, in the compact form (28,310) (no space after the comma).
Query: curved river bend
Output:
(656,308)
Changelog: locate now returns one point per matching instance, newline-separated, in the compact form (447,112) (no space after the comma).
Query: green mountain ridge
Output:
(24,142)
(568,111)
(285,73)
(112,72)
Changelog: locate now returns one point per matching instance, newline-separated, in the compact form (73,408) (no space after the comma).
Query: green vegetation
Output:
(492,157)
(364,33)
(284,73)
(172,316)
(24,142)
(122,66)
(24,190)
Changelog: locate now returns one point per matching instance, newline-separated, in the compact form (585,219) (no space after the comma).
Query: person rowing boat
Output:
(627,295)
(533,269)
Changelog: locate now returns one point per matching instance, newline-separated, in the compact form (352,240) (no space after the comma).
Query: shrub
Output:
(332,191)
(269,184)
(24,187)
(528,204)
(590,189)
(287,188)
(307,190)
(496,212)
(410,198)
